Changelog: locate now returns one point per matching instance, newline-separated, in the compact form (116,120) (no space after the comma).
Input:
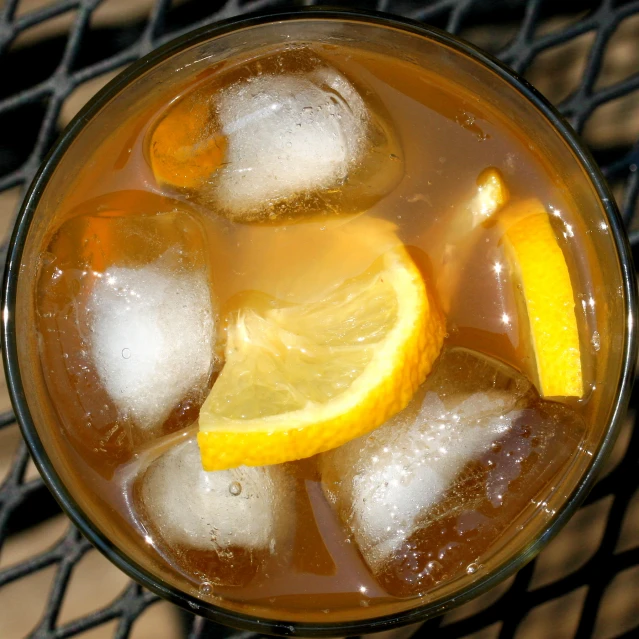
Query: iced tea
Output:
(269,192)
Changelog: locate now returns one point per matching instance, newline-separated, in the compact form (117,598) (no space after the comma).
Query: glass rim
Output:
(191,603)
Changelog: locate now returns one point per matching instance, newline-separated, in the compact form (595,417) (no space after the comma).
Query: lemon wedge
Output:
(491,195)
(304,378)
(540,268)
(464,231)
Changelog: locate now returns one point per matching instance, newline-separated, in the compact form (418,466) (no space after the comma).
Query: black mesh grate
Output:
(583,55)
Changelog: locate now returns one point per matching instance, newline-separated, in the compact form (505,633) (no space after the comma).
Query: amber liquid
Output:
(448,139)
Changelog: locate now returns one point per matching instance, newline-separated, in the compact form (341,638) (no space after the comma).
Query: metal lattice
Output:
(50,49)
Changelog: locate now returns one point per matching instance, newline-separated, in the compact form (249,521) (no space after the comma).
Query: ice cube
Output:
(384,484)
(294,135)
(152,338)
(93,369)
(509,488)
(239,516)
(289,134)
(214,510)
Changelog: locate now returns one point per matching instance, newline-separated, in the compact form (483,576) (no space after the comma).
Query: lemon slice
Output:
(305,378)
(539,266)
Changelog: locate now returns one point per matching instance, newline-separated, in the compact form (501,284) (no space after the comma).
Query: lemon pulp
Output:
(305,378)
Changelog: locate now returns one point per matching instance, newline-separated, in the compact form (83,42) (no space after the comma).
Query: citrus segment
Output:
(539,266)
(302,379)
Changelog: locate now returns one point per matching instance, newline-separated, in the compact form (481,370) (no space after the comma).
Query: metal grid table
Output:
(583,55)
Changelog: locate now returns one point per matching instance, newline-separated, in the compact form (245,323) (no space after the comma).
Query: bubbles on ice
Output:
(383,485)
(152,338)
(294,135)
(237,518)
